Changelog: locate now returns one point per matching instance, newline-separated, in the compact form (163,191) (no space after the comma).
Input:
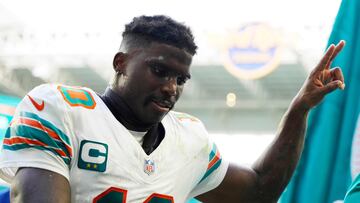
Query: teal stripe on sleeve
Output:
(213,152)
(47,124)
(16,147)
(35,134)
(216,165)
(212,169)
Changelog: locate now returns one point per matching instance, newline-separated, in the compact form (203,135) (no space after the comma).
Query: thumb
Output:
(331,86)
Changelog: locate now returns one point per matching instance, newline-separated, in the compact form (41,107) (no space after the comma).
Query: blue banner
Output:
(323,174)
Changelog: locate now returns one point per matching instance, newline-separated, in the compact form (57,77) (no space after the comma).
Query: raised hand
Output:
(322,80)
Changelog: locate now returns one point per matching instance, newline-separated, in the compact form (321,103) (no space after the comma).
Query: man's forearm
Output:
(34,185)
(277,165)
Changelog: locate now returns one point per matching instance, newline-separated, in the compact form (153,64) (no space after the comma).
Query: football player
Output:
(68,144)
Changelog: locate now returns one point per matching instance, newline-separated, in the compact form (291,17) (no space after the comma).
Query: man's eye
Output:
(158,71)
(181,80)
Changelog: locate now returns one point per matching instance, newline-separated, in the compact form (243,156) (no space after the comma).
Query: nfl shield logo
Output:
(149,167)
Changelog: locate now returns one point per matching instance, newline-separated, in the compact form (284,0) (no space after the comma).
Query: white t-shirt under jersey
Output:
(139,136)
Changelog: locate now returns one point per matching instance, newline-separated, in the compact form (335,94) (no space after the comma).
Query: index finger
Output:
(326,58)
(338,48)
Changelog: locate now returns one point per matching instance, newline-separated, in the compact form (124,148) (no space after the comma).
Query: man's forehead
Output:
(163,52)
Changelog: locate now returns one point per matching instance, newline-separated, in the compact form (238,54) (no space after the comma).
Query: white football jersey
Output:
(70,131)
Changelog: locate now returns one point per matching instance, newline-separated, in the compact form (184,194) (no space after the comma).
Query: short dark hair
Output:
(159,28)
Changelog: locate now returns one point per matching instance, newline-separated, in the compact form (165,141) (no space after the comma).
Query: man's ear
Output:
(119,62)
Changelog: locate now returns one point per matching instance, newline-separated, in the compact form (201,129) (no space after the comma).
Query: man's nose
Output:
(170,86)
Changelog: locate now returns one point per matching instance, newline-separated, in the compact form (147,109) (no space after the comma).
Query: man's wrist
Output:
(299,106)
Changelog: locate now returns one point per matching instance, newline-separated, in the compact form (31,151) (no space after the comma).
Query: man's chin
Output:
(156,118)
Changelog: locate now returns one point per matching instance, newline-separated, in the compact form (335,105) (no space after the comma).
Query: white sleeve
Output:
(38,135)
(214,171)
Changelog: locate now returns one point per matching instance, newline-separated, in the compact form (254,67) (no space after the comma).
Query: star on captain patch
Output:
(149,167)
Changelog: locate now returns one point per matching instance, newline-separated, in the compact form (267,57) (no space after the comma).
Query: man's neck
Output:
(122,112)
(154,133)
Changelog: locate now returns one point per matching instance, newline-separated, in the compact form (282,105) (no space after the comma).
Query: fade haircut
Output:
(144,30)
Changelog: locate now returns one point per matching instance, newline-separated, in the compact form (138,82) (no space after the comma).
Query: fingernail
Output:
(341,85)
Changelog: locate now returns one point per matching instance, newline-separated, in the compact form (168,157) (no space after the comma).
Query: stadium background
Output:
(73,42)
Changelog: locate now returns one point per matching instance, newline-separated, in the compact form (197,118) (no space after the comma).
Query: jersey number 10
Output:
(117,195)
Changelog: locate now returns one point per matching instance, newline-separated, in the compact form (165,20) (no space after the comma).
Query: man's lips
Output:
(162,105)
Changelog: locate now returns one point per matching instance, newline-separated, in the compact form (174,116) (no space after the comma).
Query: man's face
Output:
(153,80)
